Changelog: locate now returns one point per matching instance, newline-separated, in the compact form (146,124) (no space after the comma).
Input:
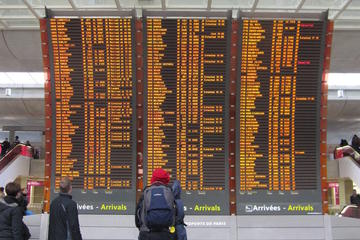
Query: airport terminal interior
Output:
(252,105)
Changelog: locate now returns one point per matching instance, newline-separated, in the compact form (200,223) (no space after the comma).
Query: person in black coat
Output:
(11,215)
(355,198)
(5,146)
(64,220)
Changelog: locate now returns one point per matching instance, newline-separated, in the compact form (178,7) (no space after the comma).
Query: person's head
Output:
(28,142)
(160,175)
(12,189)
(24,191)
(1,189)
(16,137)
(354,192)
(65,185)
(6,139)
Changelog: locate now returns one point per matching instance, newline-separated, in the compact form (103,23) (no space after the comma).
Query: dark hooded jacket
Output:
(11,224)
(62,210)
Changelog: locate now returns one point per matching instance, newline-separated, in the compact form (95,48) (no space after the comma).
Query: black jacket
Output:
(355,199)
(58,218)
(11,224)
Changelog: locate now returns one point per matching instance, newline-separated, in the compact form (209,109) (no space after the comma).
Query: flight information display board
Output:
(186,125)
(93,106)
(278,117)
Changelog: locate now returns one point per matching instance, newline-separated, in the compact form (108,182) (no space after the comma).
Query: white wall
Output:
(320,227)
(20,166)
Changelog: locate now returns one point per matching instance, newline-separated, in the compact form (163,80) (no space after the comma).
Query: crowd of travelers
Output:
(355,143)
(6,146)
(159,212)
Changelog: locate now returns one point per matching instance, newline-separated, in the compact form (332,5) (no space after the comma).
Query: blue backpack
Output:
(158,210)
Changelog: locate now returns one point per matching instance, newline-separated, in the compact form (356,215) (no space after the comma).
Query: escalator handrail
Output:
(349,151)
(19,149)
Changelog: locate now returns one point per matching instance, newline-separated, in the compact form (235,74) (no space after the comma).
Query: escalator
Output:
(349,163)
(15,163)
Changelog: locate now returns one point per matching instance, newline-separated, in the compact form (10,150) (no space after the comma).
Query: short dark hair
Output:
(12,189)
(65,185)
(1,189)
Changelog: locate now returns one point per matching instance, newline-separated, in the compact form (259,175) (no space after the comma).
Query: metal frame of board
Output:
(139,63)
(323,119)
(48,113)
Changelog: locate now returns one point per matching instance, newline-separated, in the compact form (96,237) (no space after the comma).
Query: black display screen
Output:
(186,108)
(93,111)
(278,115)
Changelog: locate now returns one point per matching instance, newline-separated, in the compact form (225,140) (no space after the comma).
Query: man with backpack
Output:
(156,210)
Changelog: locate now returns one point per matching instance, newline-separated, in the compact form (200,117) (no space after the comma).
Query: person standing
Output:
(16,142)
(64,219)
(180,230)
(5,146)
(11,215)
(155,211)
(355,198)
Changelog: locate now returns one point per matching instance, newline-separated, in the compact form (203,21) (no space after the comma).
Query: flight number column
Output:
(157,90)
(250,93)
(62,45)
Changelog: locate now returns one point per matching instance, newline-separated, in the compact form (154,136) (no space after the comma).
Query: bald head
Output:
(65,185)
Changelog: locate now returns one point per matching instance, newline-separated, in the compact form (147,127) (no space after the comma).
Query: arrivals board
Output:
(93,111)
(183,122)
(186,108)
(278,116)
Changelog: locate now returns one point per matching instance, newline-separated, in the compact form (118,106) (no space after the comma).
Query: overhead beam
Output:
(118,5)
(73,4)
(254,5)
(300,5)
(23,128)
(343,8)
(209,3)
(13,7)
(4,24)
(32,10)
(22,93)
(18,17)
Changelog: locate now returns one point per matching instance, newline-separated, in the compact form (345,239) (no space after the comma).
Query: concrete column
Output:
(11,136)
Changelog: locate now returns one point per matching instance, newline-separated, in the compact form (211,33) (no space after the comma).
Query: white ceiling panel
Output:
(324,4)
(11,2)
(186,4)
(56,3)
(278,4)
(346,13)
(350,14)
(355,4)
(232,4)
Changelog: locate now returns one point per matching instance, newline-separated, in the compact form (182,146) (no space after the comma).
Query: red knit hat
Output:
(160,175)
